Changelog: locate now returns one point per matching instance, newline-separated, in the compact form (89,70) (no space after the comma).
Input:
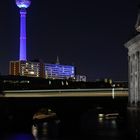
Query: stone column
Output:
(138,78)
(133,47)
(130,78)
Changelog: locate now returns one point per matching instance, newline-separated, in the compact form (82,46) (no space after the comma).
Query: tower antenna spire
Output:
(57,60)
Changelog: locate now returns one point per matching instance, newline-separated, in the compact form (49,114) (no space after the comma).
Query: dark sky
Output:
(87,33)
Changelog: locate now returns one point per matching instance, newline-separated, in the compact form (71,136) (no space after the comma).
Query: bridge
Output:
(102,92)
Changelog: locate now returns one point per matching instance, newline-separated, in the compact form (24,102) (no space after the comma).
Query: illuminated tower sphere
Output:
(23,4)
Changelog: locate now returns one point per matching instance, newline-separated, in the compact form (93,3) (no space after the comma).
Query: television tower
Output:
(23,4)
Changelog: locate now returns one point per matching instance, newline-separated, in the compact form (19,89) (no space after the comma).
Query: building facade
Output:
(58,71)
(133,47)
(26,68)
(80,78)
(39,69)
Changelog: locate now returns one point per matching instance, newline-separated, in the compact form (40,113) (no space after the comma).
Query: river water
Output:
(91,124)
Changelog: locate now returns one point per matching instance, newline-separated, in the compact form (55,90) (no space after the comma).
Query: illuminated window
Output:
(22,72)
(62,83)
(26,64)
(50,82)
(32,72)
(32,66)
(67,83)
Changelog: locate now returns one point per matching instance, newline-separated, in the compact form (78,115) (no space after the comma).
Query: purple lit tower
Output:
(23,4)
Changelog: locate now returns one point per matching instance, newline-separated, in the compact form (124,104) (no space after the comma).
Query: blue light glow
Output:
(21,137)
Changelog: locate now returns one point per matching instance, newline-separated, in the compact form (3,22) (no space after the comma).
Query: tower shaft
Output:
(22,34)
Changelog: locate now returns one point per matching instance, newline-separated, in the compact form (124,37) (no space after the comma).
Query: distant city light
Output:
(100,115)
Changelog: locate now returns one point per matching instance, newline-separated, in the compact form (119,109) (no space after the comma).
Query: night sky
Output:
(89,34)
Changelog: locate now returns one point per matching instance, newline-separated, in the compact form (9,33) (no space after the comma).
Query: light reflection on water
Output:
(92,126)
(21,136)
(45,130)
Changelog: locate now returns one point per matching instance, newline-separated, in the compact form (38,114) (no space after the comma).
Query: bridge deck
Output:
(104,92)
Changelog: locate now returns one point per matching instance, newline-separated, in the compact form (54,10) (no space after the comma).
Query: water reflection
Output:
(99,125)
(45,125)
(20,136)
(45,130)
(92,126)
(134,123)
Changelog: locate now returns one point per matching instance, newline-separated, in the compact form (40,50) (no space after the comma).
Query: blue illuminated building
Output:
(57,71)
